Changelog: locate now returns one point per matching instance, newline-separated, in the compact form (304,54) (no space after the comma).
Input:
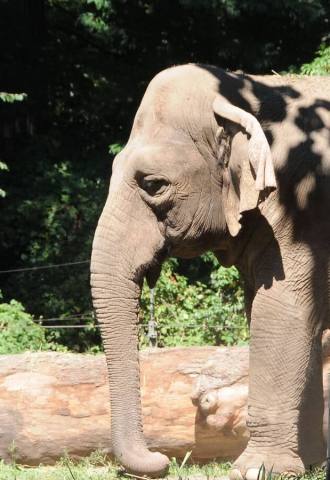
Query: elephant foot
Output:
(248,465)
(143,462)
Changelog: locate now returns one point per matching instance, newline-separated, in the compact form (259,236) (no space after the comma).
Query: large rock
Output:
(193,399)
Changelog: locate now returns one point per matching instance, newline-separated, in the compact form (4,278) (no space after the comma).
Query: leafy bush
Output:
(19,333)
(210,313)
(320,65)
(84,71)
(9,98)
(12,97)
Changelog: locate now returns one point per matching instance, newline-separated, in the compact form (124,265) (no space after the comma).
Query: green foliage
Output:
(115,148)
(84,65)
(60,216)
(12,97)
(98,467)
(3,166)
(263,474)
(9,98)
(19,333)
(321,63)
(209,313)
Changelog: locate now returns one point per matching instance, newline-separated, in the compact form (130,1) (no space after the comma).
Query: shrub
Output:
(209,313)
(321,63)
(19,333)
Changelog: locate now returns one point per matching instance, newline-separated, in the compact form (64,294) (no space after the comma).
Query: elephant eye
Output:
(154,186)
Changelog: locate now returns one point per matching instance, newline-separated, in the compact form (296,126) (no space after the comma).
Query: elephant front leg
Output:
(285,389)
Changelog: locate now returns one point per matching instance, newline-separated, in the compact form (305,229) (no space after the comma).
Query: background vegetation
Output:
(73,73)
(98,467)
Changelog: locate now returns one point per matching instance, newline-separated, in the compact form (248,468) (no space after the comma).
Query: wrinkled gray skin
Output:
(197,175)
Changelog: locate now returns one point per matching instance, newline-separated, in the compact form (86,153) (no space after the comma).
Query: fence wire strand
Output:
(43,267)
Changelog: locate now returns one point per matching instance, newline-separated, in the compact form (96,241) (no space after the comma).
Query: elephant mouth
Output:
(152,272)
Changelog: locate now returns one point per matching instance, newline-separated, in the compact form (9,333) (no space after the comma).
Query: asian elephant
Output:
(238,165)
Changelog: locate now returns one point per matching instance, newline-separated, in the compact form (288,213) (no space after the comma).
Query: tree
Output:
(84,65)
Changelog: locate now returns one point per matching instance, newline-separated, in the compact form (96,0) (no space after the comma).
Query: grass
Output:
(97,467)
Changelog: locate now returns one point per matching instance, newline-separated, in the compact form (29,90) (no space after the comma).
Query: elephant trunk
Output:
(123,250)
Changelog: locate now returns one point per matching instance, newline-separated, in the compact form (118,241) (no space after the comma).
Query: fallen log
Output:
(194,399)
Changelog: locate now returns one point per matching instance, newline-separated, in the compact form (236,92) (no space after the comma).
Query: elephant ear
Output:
(256,166)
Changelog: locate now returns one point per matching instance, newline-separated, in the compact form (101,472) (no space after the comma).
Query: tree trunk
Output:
(194,399)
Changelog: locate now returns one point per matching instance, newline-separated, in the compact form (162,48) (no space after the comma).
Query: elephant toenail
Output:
(235,474)
(252,474)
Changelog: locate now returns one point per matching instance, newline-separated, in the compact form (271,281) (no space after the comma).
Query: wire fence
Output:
(151,328)
(43,267)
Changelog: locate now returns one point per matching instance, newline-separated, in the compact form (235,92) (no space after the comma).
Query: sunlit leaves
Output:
(320,65)
(115,148)
(12,97)
(19,333)
(3,166)
(99,4)
(9,98)
(196,313)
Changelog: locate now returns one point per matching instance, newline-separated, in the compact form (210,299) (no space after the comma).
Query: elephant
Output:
(238,165)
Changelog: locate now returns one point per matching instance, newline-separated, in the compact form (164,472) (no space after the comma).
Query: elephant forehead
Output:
(168,158)
(179,97)
(184,79)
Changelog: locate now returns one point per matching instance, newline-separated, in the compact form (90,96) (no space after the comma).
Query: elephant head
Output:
(194,163)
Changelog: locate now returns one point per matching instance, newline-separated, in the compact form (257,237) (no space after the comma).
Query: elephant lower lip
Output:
(152,274)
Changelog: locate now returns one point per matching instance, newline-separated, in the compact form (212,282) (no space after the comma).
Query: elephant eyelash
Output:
(154,186)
